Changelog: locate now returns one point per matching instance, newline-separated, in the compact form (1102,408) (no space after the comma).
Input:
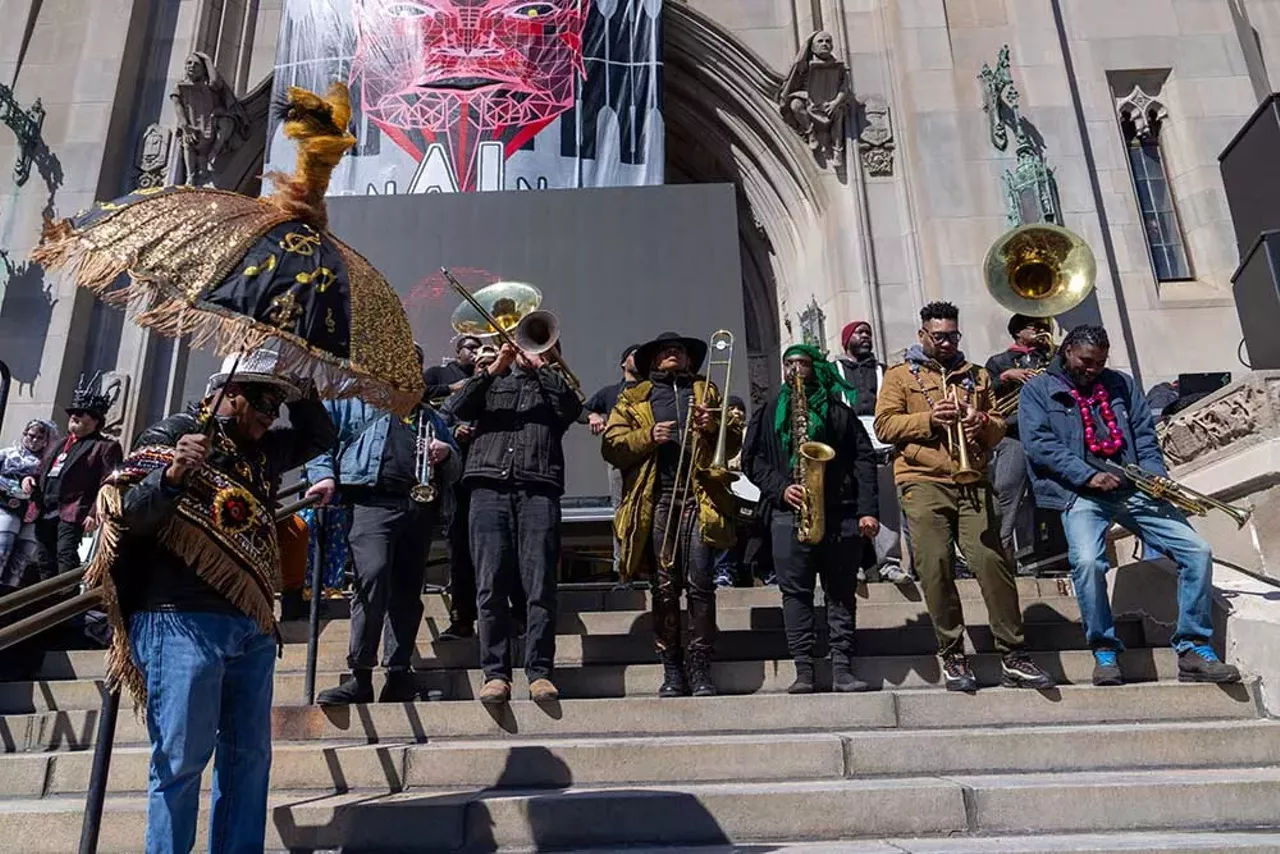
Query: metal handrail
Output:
(59,613)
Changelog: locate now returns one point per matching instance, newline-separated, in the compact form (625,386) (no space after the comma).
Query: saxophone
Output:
(810,465)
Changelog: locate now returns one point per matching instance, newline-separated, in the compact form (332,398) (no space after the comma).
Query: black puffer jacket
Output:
(156,578)
(519,420)
(1008,360)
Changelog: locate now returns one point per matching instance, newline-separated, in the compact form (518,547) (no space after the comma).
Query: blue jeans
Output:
(1166,530)
(209,681)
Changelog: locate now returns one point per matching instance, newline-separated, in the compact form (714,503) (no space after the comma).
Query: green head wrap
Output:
(826,380)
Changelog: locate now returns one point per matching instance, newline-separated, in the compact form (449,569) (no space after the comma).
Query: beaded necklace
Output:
(966,384)
(1110,444)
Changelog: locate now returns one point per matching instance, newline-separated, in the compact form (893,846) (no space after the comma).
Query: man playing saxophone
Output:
(1079,419)
(786,444)
(929,408)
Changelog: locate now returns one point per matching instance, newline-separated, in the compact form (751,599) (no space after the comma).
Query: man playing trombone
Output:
(771,454)
(1080,421)
(661,435)
(936,409)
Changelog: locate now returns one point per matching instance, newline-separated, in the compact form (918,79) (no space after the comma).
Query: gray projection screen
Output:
(617,266)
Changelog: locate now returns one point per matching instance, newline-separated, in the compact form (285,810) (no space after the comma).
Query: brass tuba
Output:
(1040,270)
(810,468)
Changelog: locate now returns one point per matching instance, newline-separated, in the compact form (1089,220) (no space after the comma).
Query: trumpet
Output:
(509,312)
(964,473)
(1184,498)
(424,490)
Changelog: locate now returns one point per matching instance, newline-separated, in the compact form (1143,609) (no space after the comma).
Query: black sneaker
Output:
(357,688)
(400,687)
(1017,670)
(803,683)
(955,668)
(1106,668)
(458,630)
(1201,664)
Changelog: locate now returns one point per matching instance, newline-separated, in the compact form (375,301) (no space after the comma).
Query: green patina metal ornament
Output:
(813,326)
(26,126)
(1030,188)
(1000,99)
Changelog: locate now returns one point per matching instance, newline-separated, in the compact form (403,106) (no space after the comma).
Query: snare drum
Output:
(747,496)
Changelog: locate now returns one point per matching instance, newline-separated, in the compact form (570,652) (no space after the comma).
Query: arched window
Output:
(1141,117)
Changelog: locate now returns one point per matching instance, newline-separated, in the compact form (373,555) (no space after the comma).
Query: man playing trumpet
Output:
(935,408)
(1079,419)
(669,522)
(849,477)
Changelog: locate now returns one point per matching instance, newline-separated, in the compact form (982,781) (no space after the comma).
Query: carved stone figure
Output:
(876,139)
(211,120)
(153,160)
(815,97)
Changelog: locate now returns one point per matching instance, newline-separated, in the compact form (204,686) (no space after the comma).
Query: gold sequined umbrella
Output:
(238,273)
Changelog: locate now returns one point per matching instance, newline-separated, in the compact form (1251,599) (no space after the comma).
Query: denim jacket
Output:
(356,458)
(1053,435)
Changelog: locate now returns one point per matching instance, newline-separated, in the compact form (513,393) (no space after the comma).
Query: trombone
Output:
(721,356)
(513,317)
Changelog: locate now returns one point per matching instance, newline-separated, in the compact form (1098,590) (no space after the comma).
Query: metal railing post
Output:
(99,772)
(317,589)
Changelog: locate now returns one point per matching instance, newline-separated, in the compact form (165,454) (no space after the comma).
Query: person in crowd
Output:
(444,380)
(17,463)
(776,434)
(1079,420)
(375,463)
(462,570)
(190,567)
(598,407)
(863,374)
(1029,354)
(730,563)
(521,406)
(649,440)
(66,485)
(934,399)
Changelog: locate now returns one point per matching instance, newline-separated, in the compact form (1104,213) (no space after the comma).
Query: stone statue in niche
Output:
(815,97)
(211,120)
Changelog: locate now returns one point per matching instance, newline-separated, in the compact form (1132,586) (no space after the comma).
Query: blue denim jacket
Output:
(356,460)
(1053,436)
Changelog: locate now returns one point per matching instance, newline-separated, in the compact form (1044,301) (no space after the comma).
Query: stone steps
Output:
(631,716)
(870,615)
(717,813)
(636,680)
(676,760)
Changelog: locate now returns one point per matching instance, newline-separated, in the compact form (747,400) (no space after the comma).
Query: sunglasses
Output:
(944,337)
(266,401)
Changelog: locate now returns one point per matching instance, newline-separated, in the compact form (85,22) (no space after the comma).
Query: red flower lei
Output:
(1109,445)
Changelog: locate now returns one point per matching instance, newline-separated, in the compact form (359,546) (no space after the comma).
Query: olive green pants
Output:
(939,517)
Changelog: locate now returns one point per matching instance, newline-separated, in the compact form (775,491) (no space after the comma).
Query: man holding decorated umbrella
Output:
(190,566)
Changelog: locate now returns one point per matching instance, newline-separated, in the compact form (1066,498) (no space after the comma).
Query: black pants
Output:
(799,566)
(694,572)
(515,543)
(59,547)
(462,571)
(390,536)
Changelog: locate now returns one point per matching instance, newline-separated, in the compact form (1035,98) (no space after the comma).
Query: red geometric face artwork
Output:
(464,72)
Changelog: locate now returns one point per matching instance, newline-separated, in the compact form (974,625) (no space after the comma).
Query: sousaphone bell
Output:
(1040,270)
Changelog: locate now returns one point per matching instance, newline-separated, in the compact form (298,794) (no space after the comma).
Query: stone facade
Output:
(907,218)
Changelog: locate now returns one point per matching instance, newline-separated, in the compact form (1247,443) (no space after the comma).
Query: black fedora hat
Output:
(697,350)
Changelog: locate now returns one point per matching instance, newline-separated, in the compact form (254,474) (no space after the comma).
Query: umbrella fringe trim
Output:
(161,309)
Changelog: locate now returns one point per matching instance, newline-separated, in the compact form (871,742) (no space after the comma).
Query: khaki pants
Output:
(940,516)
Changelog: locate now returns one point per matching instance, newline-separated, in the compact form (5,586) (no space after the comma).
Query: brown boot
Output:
(543,691)
(496,692)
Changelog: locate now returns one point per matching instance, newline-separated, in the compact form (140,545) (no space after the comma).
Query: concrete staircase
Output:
(1152,766)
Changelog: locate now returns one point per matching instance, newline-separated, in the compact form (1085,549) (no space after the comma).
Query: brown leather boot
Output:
(496,692)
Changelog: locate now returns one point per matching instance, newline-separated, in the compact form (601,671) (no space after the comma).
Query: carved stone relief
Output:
(1144,110)
(1246,409)
(875,141)
(153,159)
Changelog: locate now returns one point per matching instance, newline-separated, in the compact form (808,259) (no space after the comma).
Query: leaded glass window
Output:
(1155,201)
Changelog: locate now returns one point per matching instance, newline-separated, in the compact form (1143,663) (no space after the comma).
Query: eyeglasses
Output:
(944,337)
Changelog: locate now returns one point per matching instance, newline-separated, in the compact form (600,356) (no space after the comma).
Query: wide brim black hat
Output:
(696,348)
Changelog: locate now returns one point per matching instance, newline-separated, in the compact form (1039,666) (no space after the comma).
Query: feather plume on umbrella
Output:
(239,273)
